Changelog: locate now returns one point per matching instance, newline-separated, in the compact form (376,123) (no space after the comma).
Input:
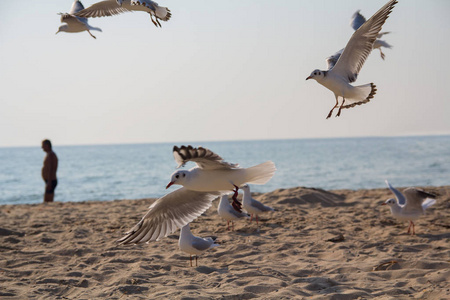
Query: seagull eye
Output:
(176,176)
(184,175)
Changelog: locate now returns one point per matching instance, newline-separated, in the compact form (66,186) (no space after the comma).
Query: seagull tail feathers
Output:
(260,174)
(365,92)
(163,13)
(428,202)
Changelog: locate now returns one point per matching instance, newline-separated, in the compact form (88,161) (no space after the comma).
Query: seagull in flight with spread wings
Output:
(211,178)
(346,69)
(74,23)
(108,8)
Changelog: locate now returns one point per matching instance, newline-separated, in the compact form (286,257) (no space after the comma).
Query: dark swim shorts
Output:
(53,186)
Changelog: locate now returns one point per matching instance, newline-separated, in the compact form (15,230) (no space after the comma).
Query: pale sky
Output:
(218,70)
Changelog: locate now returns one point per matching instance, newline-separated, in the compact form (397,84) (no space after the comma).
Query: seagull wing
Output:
(168,213)
(360,44)
(357,20)
(261,207)
(203,157)
(202,244)
(76,7)
(415,198)
(401,200)
(102,9)
(332,60)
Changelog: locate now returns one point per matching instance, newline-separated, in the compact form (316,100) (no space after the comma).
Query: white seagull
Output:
(108,8)
(410,205)
(212,178)
(194,245)
(345,71)
(228,213)
(252,206)
(74,23)
(213,174)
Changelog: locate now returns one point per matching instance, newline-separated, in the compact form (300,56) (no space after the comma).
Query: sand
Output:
(317,245)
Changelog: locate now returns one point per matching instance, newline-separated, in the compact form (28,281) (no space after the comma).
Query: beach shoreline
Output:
(339,244)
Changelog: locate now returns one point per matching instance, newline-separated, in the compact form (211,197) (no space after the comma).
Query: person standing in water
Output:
(49,171)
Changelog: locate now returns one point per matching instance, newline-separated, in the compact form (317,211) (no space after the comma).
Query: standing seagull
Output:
(193,245)
(74,23)
(410,205)
(345,71)
(108,8)
(358,20)
(212,178)
(228,213)
(252,206)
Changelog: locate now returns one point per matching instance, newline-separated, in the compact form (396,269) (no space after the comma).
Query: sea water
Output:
(108,172)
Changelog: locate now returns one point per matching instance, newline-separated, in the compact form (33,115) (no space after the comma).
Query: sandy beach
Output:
(318,244)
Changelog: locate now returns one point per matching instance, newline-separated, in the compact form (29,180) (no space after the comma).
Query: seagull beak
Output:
(168,186)
(309,77)
(383,203)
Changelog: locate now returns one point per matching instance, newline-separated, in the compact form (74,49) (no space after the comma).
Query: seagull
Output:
(202,185)
(358,20)
(228,213)
(345,71)
(213,174)
(410,205)
(194,245)
(74,23)
(252,206)
(108,8)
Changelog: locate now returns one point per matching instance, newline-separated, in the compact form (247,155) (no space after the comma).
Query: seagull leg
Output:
(257,220)
(331,111)
(251,217)
(153,21)
(409,227)
(228,223)
(414,229)
(381,53)
(232,225)
(339,111)
(190,259)
(236,204)
(196,264)
(91,34)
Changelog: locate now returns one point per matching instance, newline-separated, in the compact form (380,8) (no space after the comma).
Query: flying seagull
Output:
(108,8)
(345,71)
(74,23)
(211,179)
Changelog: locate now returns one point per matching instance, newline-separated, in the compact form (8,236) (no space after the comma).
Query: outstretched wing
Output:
(168,213)
(76,7)
(357,20)
(102,9)
(203,157)
(360,44)
(332,60)
(400,198)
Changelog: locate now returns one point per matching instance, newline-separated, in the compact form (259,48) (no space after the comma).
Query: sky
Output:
(217,70)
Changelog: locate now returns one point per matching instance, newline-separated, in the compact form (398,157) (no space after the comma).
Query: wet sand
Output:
(318,244)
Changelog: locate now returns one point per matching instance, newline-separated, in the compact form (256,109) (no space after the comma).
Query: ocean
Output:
(135,171)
